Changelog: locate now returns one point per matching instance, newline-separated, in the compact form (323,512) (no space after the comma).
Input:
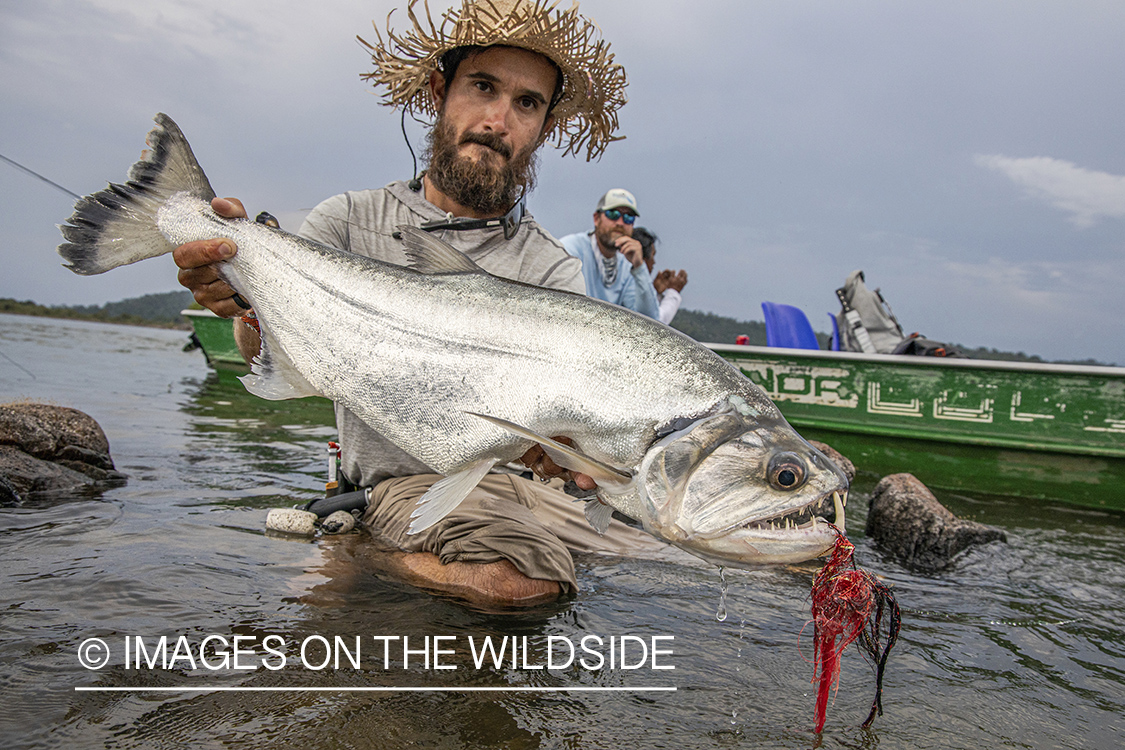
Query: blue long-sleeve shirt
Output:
(632,289)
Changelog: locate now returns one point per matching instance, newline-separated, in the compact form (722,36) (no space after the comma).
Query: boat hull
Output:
(1032,430)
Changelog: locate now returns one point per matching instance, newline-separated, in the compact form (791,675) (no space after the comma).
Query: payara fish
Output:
(438,357)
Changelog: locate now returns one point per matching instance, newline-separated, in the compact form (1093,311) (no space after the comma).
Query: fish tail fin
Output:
(117,226)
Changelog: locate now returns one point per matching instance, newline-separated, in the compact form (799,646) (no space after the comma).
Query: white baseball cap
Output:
(618,198)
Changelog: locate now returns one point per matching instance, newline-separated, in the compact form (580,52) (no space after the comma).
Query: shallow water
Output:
(1019,645)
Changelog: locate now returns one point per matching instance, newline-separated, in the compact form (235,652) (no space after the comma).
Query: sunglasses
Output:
(613,215)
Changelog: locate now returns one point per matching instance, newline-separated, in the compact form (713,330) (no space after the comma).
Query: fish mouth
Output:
(827,510)
(795,536)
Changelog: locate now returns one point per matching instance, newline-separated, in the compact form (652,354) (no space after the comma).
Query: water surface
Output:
(1019,645)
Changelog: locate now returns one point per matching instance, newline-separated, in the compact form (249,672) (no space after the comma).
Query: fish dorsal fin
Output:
(429,255)
(611,478)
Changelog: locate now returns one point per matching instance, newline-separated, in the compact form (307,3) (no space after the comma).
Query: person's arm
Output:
(638,293)
(645,300)
(669,286)
(669,305)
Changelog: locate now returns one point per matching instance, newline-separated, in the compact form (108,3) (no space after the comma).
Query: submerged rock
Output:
(906,520)
(45,448)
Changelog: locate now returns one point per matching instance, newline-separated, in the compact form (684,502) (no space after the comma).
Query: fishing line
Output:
(17,364)
(35,174)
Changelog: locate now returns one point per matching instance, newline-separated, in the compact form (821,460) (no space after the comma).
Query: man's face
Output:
(607,230)
(492,118)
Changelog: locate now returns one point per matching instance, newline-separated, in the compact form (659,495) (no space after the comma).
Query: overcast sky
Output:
(968,156)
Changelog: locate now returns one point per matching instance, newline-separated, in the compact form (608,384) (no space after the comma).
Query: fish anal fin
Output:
(447,493)
(273,376)
(608,477)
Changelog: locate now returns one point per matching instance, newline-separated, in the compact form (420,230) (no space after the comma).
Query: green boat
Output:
(1029,430)
(214,336)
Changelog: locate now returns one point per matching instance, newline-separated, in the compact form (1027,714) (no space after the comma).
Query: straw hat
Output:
(593,85)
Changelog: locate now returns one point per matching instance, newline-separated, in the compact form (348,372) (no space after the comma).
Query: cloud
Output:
(1084,193)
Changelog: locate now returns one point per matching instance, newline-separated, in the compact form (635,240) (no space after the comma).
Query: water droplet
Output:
(721,615)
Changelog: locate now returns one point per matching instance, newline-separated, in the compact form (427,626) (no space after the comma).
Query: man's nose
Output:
(496,117)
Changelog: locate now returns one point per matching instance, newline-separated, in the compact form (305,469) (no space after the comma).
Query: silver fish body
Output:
(464,370)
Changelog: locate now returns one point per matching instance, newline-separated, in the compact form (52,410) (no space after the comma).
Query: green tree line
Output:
(150,310)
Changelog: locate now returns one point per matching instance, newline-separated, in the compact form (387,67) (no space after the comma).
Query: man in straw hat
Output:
(499,77)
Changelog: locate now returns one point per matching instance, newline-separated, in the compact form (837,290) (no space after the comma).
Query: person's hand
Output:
(662,280)
(631,249)
(196,259)
(541,465)
(677,280)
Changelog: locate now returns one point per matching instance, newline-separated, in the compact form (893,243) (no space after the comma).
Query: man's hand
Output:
(541,465)
(195,260)
(631,249)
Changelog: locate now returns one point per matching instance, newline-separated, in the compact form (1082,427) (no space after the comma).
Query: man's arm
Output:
(645,294)
(638,293)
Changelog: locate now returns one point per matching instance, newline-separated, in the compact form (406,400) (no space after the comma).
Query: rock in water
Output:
(340,522)
(45,448)
(906,520)
(291,521)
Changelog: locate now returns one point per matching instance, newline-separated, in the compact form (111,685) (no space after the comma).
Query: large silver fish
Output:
(464,371)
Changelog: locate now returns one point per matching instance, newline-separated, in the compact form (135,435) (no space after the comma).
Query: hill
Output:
(150,310)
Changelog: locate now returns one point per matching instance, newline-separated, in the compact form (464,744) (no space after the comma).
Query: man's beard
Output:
(608,238)
(479,185)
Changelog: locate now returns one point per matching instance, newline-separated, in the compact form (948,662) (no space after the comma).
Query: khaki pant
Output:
(531,524)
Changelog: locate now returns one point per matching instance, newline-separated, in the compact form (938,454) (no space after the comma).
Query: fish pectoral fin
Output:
(598,514)
(446,494)
(273,375)
(609,477)
(429,255)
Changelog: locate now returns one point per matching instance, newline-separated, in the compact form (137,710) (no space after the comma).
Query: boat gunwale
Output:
(1053,368)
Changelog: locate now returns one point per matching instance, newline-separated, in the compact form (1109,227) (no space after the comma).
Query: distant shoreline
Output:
(97,315)
(163,311)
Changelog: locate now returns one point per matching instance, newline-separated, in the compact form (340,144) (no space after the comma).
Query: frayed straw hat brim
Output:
(593,84)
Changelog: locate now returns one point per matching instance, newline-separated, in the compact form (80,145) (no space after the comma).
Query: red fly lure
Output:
(850,605)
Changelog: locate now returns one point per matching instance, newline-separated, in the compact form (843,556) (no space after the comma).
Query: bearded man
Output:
(499,87)
(613,265)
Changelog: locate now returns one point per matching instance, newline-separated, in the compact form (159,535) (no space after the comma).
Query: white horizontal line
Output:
(236,689)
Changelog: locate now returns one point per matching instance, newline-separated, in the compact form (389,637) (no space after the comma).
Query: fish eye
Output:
(786,471)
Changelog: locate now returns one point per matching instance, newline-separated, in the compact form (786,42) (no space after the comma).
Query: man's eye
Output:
(528,103)
(483,86)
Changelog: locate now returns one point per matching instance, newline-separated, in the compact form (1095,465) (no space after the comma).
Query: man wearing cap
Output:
(499,77)
(613,265)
